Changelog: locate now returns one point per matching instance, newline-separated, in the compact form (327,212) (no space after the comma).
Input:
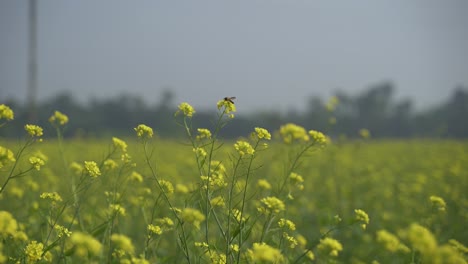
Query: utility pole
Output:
(32,64)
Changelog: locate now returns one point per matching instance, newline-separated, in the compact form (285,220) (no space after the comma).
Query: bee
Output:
(229,99)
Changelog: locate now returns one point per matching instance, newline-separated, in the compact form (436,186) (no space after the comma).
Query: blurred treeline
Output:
(375,109)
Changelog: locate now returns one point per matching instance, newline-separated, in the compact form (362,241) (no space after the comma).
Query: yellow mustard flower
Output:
(33,130)
(135,176)
(165,223)
(62,231)
(144,131)
(263,184)
(227,106)
(123,242)
(244,148)
(53,196)
(291,133)
(438,203)
(362,217)
(329,246)
(117,209)
(85,244)
(166,186)
(200,152)
(192,216)
(203,133)
(92,169)
(262,133)
(36,162)
(291,240)
(6,157)
(285,223)
(364,133)
(58,119)
(34,251)
(318,137)
(186,109)
(263,253)
(390,242)
(6,112)
(119,144)
(332,103)
(271,205)
(217,201)
(154,229)
(8,224)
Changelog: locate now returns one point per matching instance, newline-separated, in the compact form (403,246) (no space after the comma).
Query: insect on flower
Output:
(229,99)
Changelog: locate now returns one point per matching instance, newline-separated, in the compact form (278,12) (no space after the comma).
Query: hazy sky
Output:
(269,53)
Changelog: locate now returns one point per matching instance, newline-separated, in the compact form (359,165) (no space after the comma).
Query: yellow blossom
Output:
(329,246)
(203,133)
(6,156)
(262,133)
(364,133)
(227,106)
(217,201)
(154,229)
(285,223)
(263,184)
(53,196)
(58,118)
(263,253)
(186,109)
(271,205)
(144,131)
(36,162)
(119,144)
(8,224)
(166,186)
(291,133)
(181,188)
(390,242)
(318,137)
(62,231)
(6,112)
(135,176)
(244,148)
(192,216)
(117,209)
(362,217)
(34,251)
(92,169)
(123,242)
(332,103)
(438,203)
(33,130)
(84,244)
(200,152)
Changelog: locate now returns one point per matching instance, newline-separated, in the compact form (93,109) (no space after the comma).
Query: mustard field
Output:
(293,195)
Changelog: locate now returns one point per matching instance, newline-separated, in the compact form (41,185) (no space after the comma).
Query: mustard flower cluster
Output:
(34,251)
(218,201)
(58,119)
(154,229)
(244,148)
(135,176)
(291,133)
(438,203)
(165,223)
(271,205)
(62,231)
(228,107)
(361,217)
(144,131)
(421,238)
(166,186)
(296,180)
(262,133)
(263,184)
(8,224)
(117,209)
(329,247)
(53,196)
(123,242)
(6,112)
(6,157)
(292,241)
(119,144)
(288,224)
(200,152)
(85,245)
(192,216)
(318,137)
(36,162)
(203,133)
(263,253)
(91,168)
(391,242)
(237,214)
(110,164)
(186,109)
(33,130)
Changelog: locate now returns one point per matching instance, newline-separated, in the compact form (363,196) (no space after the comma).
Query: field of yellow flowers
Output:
(286,196)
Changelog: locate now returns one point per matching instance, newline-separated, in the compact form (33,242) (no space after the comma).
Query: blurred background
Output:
(397,68)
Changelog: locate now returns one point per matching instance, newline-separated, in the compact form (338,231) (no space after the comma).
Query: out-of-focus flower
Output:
(186,109)
(144,131)
(58,119)
(6,112)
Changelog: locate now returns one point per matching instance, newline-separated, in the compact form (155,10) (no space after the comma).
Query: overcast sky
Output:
(268,53)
